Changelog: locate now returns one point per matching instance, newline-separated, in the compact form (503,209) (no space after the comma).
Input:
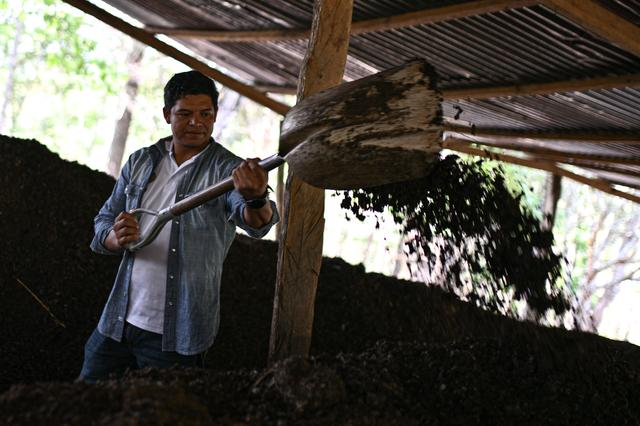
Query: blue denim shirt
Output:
(199,242)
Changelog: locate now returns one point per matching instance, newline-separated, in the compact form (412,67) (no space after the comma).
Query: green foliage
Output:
(68,74)
(53,41)
(57,49)
(529,182)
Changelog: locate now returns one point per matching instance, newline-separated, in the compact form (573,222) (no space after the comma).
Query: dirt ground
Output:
(385,351)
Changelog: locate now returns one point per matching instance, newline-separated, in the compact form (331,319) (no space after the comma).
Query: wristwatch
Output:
(257,203)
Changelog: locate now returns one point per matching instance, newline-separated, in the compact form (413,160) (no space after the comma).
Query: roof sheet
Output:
(525,45)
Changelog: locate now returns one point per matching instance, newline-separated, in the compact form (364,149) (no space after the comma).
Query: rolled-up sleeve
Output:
(103,222)
(236,206)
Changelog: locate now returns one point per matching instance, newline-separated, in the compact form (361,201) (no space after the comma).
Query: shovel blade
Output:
(380,129)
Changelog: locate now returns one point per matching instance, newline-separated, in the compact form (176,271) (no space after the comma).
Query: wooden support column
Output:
(302,227)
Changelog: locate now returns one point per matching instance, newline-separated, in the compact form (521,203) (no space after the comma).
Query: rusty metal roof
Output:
(526,45)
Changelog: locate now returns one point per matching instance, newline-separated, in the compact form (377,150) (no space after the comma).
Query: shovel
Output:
(380,129)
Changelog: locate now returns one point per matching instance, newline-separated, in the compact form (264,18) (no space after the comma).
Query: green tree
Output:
(46,52)
(600,239)
(55,71)
(598,234)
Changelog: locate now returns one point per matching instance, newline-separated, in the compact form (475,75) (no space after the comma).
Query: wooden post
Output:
(280,197)
(301,233)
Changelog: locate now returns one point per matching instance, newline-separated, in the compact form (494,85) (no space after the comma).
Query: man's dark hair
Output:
(189,83)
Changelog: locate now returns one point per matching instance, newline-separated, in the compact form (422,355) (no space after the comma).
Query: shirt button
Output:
(119,318)
(170,277)
(177,222)
(170,303)
(173,250)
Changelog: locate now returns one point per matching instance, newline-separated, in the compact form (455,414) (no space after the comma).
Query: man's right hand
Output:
(125,231)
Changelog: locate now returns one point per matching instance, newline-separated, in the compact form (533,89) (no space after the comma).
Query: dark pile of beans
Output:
(437,360)
(53,288)
(463,221)
(469,382)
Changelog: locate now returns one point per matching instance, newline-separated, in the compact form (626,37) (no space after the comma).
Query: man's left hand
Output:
(249,179)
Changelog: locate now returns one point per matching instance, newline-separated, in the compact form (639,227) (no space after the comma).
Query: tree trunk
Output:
(300,249)
(226,110)
(121,132)
(590,315)
(553,189)
(609,295)
(12,65)
(400,258)
(620,274)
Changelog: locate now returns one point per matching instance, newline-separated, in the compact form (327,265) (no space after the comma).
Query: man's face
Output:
(191,120)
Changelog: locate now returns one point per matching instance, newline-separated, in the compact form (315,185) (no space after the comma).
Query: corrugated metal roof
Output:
(615,109)
(596,149)
(627,9)
(511,47)
(529,44)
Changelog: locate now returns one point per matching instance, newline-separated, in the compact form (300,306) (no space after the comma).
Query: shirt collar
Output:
(168,146)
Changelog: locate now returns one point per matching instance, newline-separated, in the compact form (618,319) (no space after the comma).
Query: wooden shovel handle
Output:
(219,188)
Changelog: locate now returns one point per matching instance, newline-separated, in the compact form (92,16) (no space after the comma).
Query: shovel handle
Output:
(163,216)
(219,188)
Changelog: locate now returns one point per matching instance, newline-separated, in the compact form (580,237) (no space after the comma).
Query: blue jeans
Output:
(138,349)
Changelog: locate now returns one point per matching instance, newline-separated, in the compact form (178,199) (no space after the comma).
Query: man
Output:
(163,309)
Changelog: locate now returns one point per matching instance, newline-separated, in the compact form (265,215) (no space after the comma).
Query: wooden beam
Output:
(438,14)
(301,235)
(281,90)
(600,184)
(601,21)
(577,136)
(233,36)
(531,89)
(604,168)
(420,17)
(148,39)
(590,164)
(619,182)
(587,163)
(557,156)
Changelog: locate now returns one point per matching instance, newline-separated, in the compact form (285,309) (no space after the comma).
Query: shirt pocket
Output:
(132,193)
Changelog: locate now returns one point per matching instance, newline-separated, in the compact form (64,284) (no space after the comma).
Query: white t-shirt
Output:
(149,274)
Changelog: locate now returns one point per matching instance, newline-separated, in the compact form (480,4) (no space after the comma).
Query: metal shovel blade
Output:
(379,129)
